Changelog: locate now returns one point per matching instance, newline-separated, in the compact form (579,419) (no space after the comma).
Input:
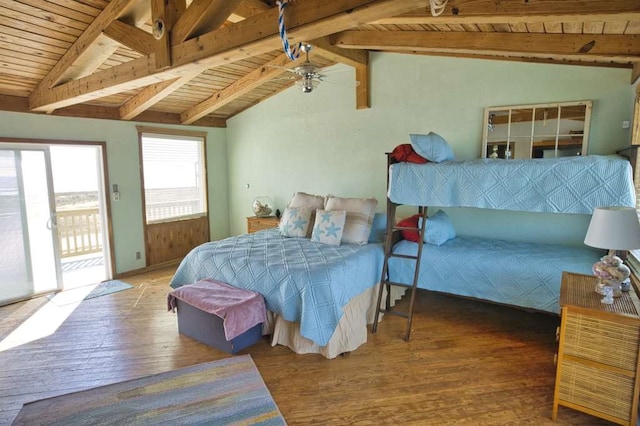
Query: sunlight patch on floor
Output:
(46,320)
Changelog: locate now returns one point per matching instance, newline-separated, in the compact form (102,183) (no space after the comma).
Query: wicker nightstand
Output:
(597,369)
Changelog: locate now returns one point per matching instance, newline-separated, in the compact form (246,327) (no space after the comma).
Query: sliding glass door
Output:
(29,263)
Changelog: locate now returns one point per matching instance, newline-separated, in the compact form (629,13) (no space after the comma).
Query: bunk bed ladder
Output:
(385,281)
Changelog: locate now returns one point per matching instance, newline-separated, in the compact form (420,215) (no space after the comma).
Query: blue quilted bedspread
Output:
(554,185)
(513,273)
(302,280)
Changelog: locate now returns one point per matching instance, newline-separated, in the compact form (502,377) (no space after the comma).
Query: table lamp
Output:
(612,228)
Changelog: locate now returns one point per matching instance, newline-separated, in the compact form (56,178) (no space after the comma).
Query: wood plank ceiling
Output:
(213,59)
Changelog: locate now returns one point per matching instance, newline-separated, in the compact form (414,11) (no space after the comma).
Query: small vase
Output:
(262,206)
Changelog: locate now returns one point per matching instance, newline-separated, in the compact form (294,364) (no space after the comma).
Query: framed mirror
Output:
(536,131)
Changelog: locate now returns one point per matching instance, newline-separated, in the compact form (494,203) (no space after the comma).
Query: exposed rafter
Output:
(130,36)
(154,93)
(577,46)
(509,11)
(200,17)
(18,104)
(100,58)
(268,71)
(112,11)
(359,59)
(248,8)
(253,36)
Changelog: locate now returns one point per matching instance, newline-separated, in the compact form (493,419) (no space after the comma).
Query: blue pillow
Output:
(439,229)
(432,147)
(378,228)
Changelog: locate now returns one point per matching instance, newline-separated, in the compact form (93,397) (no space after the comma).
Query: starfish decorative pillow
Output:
(295,221)
(329,226)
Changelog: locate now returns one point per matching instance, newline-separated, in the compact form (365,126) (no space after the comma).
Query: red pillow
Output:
(405,152)
(410,234)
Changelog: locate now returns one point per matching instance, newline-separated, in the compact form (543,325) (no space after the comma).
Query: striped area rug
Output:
(229,391)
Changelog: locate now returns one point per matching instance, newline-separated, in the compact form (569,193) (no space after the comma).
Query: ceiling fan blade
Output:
(352,84)
(282,68)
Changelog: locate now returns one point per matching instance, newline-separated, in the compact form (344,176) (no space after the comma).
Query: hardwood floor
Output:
(467,362)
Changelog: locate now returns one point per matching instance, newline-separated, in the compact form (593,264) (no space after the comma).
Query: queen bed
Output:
(320,296)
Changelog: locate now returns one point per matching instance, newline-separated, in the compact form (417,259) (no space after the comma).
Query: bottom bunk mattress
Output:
(302,281)
(522,274)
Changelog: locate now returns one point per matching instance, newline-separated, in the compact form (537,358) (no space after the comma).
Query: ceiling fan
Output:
(308,74)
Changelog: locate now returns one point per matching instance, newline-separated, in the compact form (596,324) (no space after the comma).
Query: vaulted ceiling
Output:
(203,61)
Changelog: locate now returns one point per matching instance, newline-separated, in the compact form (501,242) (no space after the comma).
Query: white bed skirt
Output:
(349,335)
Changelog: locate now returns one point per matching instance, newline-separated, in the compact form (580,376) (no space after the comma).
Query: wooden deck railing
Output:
(172,209)
(79,232)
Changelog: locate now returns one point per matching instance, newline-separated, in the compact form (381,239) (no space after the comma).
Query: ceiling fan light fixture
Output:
(307,84)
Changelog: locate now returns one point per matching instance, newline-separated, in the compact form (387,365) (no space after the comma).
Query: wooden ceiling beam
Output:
(151,95)
(201,17)
(323,47)
(359,59)
(240,87)
(111,12)
(509,11)
(514,58)
(635,74)
(154,93)
(131,36)
(248,8)
(306,20)
(90,60)
(256,35)
(161,47)
(577,46)
(363,87)
(20,104)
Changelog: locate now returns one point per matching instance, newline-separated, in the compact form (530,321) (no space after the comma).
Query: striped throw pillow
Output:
(360,213)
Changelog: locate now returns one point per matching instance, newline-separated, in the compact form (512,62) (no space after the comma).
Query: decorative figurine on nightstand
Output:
(608,296)
(611,272)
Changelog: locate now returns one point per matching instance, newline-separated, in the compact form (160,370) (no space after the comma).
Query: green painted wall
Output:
(319,142)
(123,168)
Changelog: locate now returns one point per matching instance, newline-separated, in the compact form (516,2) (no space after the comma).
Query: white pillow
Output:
(295,221)
(360,213)
(314,202)
(329,227)
(432,146)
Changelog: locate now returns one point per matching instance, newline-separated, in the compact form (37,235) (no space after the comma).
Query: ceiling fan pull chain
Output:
(437,7)
(292,53)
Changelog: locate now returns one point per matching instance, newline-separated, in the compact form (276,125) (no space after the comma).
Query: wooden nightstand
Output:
(597,369)
(255,223)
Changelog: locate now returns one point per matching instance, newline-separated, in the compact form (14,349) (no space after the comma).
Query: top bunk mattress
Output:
(553,185)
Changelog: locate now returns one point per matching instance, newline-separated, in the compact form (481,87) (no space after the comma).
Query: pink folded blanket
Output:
(239,309)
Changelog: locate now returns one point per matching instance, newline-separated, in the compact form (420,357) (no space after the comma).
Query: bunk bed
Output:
(521,274)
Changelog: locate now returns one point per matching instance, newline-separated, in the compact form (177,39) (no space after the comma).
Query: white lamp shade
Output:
(614,228)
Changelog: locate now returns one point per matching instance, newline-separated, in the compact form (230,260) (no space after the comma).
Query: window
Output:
(536,131)
(174,176)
